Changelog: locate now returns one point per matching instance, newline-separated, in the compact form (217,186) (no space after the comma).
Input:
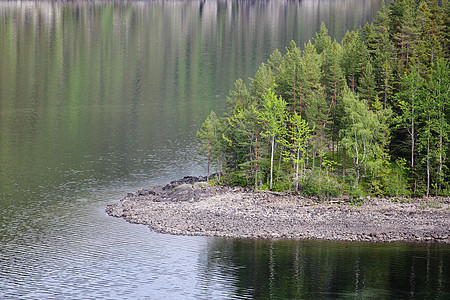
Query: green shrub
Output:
(314,184)
(235,179)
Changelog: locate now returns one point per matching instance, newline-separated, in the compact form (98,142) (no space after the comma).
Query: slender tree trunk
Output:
(413,142)
(296,169)
(343,165)
(209,155)
(357,176)
(397,184)
(440,157)
(256,162)
(313,155)
(321,147)
(271,161)
(220,170)
(428,155)
(334,117)
(441,115)
(279,168)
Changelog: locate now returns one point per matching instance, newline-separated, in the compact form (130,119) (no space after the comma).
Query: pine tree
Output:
(366,90)
(333,82)
(384,58)
(405,34)
(354,55)
(263,81)
(208,137)
(290,78)
(431,37)
(322,41)
(387,81)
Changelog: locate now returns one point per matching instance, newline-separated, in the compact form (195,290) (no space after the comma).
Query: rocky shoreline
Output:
(192,207)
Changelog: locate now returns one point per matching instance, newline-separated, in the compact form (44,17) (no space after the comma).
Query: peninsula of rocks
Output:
(193,207)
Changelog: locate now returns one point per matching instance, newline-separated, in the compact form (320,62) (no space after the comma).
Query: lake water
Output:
(101,98)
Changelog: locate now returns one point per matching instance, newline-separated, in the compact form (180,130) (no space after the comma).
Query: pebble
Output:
(200,209)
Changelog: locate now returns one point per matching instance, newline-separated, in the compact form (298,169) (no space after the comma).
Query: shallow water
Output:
(102,98)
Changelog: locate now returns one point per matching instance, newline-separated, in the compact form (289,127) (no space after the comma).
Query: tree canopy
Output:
(342,117)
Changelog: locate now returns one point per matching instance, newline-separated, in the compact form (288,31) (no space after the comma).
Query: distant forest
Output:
(369,115)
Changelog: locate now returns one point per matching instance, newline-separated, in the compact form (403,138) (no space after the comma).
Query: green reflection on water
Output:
(98,88)
(280,269)
(94,94)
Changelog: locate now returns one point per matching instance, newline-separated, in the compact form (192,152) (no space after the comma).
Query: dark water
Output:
(102,98)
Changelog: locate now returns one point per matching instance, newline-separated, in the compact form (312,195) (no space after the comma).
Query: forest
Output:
(369,115)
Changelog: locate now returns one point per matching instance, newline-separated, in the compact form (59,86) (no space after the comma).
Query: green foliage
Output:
(313,184)
(272,119)
(366,89)
(357,194)
(235,179)
(379,99)
(398,181)
(364,134)
(210,140)
(295,141)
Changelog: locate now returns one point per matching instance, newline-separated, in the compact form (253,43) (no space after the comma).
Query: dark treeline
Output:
(368,115)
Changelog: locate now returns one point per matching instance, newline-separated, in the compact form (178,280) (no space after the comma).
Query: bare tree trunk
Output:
(296,169)
(256,162)
(209,155)
(220,170)
(313,155)
(428,155)
(271,161)
(343,165)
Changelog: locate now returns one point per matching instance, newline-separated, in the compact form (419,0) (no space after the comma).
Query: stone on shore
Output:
(192,207)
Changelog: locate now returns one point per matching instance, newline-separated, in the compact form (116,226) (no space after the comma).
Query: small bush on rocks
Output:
(235,179)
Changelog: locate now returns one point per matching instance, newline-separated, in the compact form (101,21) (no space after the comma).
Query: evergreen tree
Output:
(431,37)
(208,137)
(240,97)
(406,33)
(244,138)
(387,81)
(263,81)
(333,82)
(318,117)
(290,77)
(354,55)
(303,100)
(366,90)
(322,41)
(312,67)
(384,58)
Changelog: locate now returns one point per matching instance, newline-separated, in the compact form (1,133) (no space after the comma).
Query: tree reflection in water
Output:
(280,269)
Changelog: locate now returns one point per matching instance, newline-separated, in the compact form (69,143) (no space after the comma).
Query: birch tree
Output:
(272,118)
(363,134)
(296,142)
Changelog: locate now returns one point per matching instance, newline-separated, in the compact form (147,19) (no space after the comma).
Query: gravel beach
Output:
(192,207)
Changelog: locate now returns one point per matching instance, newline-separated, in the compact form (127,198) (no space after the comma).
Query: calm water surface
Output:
(102,98)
